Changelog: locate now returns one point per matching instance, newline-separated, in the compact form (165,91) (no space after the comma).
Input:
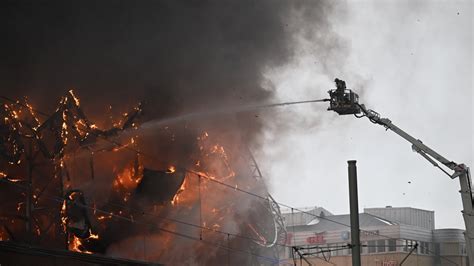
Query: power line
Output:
(61,200)
(123,207)
(195,225)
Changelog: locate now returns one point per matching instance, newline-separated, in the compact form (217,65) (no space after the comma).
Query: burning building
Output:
(132,193)
(126,180)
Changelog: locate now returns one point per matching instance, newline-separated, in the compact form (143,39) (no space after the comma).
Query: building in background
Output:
(387,236)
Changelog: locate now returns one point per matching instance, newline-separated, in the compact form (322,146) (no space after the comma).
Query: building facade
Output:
(387,237)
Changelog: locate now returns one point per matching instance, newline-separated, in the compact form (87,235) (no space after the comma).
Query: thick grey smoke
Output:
(174,55)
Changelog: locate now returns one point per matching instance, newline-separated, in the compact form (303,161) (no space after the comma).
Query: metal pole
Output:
(354,205)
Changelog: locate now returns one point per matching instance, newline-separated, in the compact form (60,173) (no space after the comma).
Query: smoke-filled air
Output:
(127,128)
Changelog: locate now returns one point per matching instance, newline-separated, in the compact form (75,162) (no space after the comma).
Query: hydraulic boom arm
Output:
(344,101)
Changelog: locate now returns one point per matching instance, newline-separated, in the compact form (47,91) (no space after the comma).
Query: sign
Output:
(316,239)
(364,234)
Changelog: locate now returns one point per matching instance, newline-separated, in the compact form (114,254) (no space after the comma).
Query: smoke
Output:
(177,57)
(174,55)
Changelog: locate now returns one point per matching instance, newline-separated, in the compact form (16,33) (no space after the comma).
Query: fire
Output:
(76,245)
(64,216)
(78,152)
(93,236)
(9,179)
(123,146)
(171,169)
(127,179)
(104,217)
(3,236)
(76,100)
(175,200)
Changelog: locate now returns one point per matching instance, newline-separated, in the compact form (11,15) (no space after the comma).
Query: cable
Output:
(197,226)
(61,200)
(167,218)
(324,250)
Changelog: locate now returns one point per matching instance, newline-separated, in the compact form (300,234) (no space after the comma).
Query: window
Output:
(371,246)
(363,247)
(339,251)
(422,247)
(426,247)
(380,246)
(404,244)
(333,249)
(463,248)
(410,244)
(392,245)
(437,248)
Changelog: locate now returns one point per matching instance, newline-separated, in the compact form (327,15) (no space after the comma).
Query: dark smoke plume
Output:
(177,56)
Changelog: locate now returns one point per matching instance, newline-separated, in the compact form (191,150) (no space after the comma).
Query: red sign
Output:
(317,239)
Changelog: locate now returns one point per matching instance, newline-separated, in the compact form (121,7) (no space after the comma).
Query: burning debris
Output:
(66,183)
(160,187)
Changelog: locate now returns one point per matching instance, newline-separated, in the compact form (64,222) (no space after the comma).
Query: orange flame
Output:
(171,169)
(127,179)
(176,196)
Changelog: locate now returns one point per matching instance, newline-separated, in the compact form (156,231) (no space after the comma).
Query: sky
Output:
(411,61)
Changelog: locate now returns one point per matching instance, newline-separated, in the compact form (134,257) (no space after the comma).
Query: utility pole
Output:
(354,207)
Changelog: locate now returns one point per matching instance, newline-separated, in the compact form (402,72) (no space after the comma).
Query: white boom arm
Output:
(460,170)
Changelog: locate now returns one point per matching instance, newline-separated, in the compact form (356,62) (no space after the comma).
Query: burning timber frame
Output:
(40,147)
(27,143)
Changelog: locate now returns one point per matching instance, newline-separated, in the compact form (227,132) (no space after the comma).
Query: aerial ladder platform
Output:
(346,102)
